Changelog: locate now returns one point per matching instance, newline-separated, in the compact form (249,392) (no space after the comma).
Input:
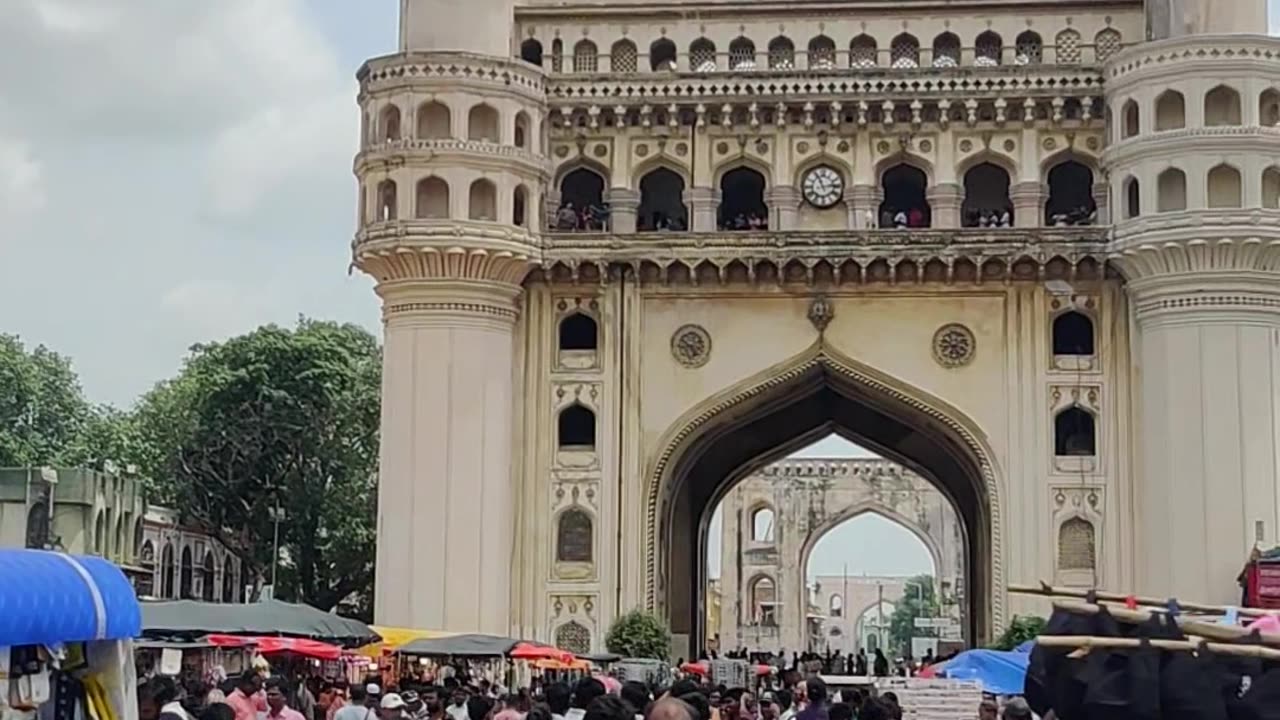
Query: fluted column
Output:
(944,202)
(445,500)
(784,202)
(1208,429)
(1028,200)
(623,203)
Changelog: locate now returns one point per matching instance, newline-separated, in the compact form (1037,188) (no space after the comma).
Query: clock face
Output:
(823,187)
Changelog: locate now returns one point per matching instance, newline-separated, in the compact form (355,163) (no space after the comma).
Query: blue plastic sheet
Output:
(1001,673)
(48,598)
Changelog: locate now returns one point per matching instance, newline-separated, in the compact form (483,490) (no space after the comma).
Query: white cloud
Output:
(21,179)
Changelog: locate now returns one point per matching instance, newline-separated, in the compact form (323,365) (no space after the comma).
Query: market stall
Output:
(66,629)
(192,620)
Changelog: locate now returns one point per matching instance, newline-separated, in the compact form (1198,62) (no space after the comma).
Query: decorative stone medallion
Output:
(821,312)
(642,150)
(954,345)
(691,346)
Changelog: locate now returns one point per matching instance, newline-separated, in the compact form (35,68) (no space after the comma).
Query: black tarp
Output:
(189,619)
(473,645)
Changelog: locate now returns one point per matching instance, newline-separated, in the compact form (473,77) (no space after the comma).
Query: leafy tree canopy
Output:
(919,600)
(42,408)
(1020,630)
(639,634)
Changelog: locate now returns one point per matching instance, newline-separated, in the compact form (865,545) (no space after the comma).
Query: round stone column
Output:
(1028,204)
(623,204)
(863,199)
(784,202)
(944,203)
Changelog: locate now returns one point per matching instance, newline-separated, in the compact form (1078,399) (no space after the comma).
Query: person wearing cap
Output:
(413,705)
(391,707)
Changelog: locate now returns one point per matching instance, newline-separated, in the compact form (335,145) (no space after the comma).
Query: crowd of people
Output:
(975,217)
(1081,215)
(586,218)
(745,222)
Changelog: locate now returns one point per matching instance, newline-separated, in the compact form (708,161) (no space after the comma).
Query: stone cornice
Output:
(480,154)
(426,68)
(889,256)
(557,9)
(449,302)
(847,84)
(1187,226)
(1178,143)
(820,468)
(1213,55)
(444,249)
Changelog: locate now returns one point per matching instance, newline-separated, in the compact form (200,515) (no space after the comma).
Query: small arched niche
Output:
(389,123)
(431,200)
(763,594)
(578,340)
(581,194)
(387,201)
(586,57)
(1222,107)
(863,52)
(742,54)
(483,201)
(835,606)
(1171,189)
(1132,198)
(762,524)
(520,206)
(522,130)
(662,55)
(1129,120)
(575,536)
(1074,341)
(1171,111)
(1077,556)
(434,121)
(1269,108)
(1075,433)
(782,53)
(988,49)
(576,428)
(483,124)
(531,52)
(1225,187)
(1271,188)
(946,50)
(822,53)
(1028,48)
(624,57)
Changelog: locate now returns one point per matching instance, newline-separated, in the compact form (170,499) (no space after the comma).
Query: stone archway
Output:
(768,416)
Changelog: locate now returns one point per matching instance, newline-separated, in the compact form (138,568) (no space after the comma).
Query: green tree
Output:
(275,417)
(42,407)
(639,634)
(1022,629)
(918,600)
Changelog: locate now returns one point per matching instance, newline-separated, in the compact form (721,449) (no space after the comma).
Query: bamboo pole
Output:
(1212,631)
(1089,642)
(1046,590)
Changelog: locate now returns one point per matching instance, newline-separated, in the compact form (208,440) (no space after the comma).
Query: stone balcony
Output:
(479,153)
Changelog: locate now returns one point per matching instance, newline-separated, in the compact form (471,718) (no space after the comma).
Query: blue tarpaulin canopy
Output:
(48,598)
(1001,673)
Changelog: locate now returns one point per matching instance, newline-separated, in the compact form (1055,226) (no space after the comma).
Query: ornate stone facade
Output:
(536,375)
(772,521)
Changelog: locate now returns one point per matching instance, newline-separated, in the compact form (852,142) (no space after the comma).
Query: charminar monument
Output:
(630,253)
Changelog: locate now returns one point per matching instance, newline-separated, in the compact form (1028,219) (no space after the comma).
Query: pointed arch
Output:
(1271,188)
(186,574)
(431,201)
(484,123)
(1070,184)
(1067,47)
(522,131)
(167,572)
(579,331)
(1225,187)
(575,535)
(586,57)
(742,196)
(1171,190)
(1132,198)
(946,50)
(822,53)
(1028,48)
(576,427)
(531,52)
(782,53)
(662,207)
(434,121)
(482,201)
(1075,433)
(904,52)
(1222,107)
(1106,43)
(863,52)
(208,570)
(1171,111)
(557,55)
(389,123)
(624,57)
(742,54)
(1129,119)
(986,194)
(662,55)
(988,49)
(787,406)
(702,55)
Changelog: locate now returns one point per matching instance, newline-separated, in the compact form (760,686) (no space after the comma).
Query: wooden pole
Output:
(1187,626)
(1046,590)
(1088,642)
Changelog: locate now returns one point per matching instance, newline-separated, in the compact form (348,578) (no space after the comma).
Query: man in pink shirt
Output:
(277,702)
(247,699)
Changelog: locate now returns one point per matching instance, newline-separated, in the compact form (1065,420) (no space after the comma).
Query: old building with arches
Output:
(629,254)
(773,519)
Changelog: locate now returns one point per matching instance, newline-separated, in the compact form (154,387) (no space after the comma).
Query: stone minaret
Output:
(451,174)
(1196,203)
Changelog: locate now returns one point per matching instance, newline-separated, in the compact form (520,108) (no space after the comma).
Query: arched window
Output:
(578,331)
(166,572)
(1269,108)
(207,572)
(531,52)
(1225,187)
(574,536)
(432,199)
(946,50)
(1067,47)
(1073,334)
(1106,43)
(580,190)
(147,554)
(822,53)
(762,525)
(387,205)
(577,428)
(988,49)
(1171,111)
(520,207)
(986,197)
(1029,49)
(702,55)
(624,57)
(905,201)
(1171,188)
(1132,199)
(573,637)
(586,57)
(742,54)
(1222,107)
(187,575)
(662,201)
(557,55)
(742,205)
(38,525)
(836,606)
(662,55)
(1077,547)
(1271,188)
(863,52)
(483,201)
(1074,433)
(522,130)
(904,52)
(1070,195)
(782,53)
(483,124)
(764,596)
(1129,115)
(389,122)
(434,121)
(228,581)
